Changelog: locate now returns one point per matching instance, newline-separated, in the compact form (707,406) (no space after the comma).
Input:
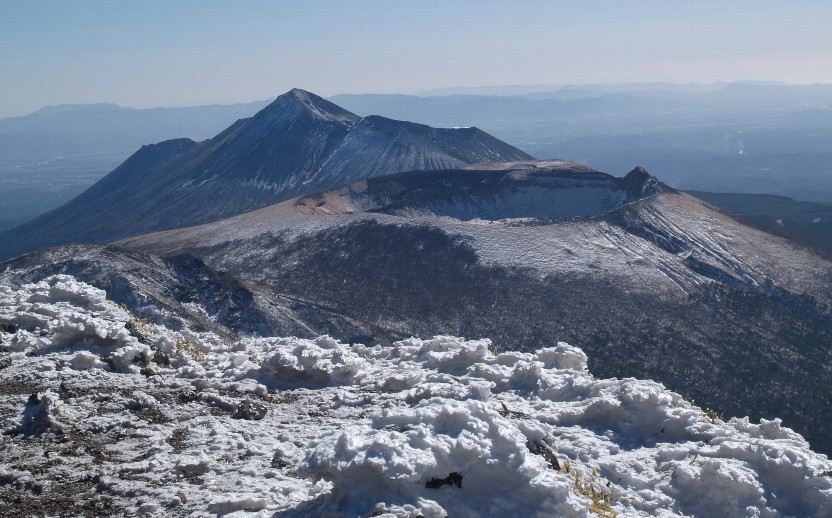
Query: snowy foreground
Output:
(103,413)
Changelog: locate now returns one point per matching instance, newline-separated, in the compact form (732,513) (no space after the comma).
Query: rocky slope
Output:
(297,145)
(105,414)
(650,282)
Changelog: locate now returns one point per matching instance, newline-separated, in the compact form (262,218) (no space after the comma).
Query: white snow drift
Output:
(131,417)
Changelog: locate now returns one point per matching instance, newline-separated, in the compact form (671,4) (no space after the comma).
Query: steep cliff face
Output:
(297,145)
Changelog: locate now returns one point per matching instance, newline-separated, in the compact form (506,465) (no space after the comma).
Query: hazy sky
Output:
(179,53)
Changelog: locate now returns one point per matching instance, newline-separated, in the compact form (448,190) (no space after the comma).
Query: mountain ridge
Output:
(300,143)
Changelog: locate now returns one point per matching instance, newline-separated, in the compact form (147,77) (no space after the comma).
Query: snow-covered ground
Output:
(103,413)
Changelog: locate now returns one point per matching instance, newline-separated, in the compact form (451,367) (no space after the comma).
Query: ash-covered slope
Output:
(105,414)
(297,145)
(651,282)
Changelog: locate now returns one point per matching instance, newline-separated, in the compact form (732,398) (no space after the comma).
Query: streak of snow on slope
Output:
(135,417)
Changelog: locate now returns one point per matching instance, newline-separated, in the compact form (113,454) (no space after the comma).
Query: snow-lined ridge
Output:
(103,412)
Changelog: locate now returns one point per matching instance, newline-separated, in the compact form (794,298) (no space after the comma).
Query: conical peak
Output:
(301,94)
(312,104)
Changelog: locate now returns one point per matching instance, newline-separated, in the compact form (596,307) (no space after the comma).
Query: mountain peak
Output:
(318,107)
(301,94)
(640,171)
(641,183)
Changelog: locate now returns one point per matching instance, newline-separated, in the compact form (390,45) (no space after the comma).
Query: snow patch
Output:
(170,421)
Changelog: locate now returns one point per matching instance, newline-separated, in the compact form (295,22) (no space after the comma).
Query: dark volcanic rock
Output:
(7,327)
(545,452)
(453,479)
(250,410)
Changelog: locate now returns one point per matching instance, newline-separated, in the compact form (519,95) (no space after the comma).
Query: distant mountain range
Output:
(724,137)
(297,145)
(69,129)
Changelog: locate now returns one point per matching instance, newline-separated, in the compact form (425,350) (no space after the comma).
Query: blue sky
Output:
(179,53)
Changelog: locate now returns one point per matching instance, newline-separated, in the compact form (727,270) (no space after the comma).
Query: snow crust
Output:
(146,420)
